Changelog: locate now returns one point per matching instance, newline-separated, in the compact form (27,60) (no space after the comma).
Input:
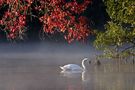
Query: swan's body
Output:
(71,67)
(74,67)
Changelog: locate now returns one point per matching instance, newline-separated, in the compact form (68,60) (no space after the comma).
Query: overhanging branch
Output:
(128,48)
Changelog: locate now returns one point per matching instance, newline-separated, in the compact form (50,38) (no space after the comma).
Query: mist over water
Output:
(54,51)
(35,66)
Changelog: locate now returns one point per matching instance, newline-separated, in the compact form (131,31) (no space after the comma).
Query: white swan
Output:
(74,67)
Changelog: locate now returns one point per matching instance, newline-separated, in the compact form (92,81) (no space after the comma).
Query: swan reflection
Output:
(84,76)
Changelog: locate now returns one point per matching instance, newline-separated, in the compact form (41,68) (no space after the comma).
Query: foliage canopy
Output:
(119,37)
(62,16)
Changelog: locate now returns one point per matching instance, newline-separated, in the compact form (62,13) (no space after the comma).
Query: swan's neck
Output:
(83,65)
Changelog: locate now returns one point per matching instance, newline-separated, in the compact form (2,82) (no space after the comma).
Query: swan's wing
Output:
(65,67)
(71,67)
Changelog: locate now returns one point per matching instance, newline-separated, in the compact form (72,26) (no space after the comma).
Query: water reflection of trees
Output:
(113,78)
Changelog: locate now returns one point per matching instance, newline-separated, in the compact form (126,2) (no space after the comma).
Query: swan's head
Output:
(85,59)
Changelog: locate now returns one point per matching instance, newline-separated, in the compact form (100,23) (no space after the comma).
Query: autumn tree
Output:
(63,16)
(119,38)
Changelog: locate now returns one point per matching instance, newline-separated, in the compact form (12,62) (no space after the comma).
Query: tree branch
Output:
(128,48)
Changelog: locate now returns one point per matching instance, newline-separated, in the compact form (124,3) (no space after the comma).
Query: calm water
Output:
(37,68)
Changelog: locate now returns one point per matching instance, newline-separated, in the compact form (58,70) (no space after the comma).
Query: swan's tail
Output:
(61,67)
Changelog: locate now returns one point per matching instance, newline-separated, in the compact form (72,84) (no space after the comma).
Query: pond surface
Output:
(37,68)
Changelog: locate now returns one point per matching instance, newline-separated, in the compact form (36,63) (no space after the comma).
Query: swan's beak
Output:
(89,62)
